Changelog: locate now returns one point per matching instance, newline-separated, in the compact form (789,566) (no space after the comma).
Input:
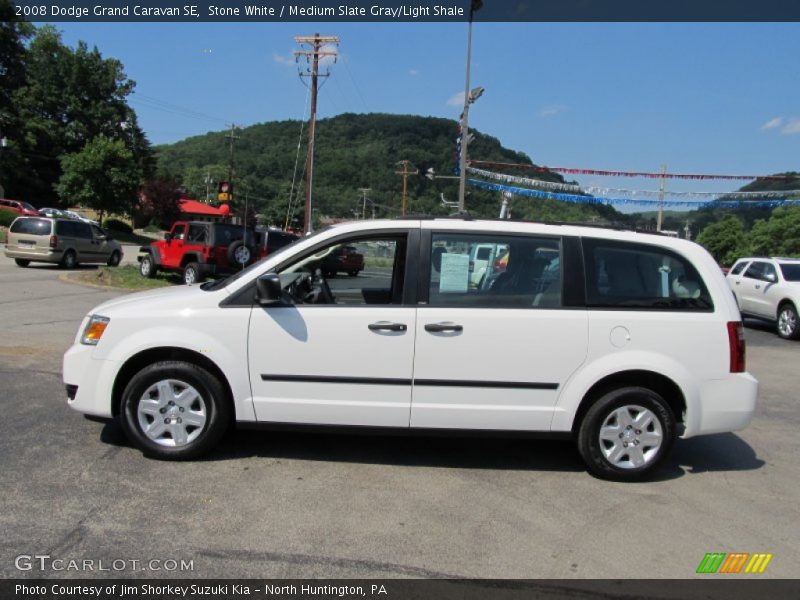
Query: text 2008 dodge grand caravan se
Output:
(621,340)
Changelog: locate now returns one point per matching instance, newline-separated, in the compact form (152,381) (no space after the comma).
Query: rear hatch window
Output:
(31,226)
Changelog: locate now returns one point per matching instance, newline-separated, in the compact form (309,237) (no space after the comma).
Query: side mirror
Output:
(268,289)
(771,277)
(168,236)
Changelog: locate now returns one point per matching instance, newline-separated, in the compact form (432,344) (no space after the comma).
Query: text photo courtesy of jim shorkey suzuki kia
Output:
(383,299)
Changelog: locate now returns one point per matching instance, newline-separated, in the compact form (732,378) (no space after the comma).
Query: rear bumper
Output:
(40,254)
(724,405)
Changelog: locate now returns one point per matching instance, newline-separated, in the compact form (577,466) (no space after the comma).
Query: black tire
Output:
(354,273)
(147,267)
(114,259)
(787,325)
(246,254)
(22,262)
(212,395)
(69,260)
(593,450)
(191,273)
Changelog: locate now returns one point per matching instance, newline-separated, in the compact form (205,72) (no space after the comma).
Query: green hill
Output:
(352,152)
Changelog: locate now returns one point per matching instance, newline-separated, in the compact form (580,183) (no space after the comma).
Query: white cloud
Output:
(413,72)
(552,110)
(456,99)
(792,127)
(283,60)
(773,123)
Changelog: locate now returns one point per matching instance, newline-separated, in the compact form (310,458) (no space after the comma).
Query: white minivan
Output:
(620,340)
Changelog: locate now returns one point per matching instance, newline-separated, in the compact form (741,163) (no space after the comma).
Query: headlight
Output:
(94,330)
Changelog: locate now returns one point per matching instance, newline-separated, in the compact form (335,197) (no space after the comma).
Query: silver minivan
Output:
(63,241)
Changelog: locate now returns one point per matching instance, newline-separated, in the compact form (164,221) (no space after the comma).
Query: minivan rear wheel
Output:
(69,260)
(174,410)
(113,260)
(626,434)
(22,262)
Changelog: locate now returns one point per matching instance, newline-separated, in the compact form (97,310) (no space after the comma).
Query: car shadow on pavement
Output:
(708,453)
(722,452)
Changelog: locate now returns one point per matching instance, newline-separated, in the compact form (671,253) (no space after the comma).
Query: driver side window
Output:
(353,272)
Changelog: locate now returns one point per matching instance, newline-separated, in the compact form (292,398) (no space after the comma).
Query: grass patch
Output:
(3,236)
(126,277)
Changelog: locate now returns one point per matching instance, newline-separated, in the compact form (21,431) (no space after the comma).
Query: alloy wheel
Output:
(171,413)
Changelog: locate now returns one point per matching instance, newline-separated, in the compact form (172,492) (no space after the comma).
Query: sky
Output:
(698,97)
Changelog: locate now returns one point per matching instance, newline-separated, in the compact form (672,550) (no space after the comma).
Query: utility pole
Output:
(469,98)
(232,137)
(364,203)
(405,173)
(661,198)
(312,54)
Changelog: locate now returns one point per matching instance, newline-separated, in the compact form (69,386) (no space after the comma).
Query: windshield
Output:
(27,206)
(219,283)
(791,272)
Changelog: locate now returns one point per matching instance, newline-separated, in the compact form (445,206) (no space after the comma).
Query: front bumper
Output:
(89,380)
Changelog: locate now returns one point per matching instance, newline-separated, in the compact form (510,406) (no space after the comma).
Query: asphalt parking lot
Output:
(311,505)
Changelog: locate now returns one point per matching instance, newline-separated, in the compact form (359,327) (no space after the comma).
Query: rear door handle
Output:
(387,326)
(439,327)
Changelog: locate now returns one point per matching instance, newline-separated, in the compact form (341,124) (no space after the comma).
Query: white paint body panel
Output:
(524,346)
(331,341)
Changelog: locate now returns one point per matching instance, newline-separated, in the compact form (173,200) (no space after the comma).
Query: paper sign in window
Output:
(454,273)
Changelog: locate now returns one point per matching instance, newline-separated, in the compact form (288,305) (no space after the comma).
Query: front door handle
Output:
(439,327)
(758,287)
(387,326)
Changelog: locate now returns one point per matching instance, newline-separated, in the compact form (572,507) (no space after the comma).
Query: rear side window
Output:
(625,275)
(66,228)
(31,226)
(516,272)
(738,268)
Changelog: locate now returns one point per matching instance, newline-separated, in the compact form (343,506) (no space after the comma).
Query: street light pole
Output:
(462,160)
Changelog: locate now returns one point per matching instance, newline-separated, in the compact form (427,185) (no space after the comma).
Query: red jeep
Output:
(199,249)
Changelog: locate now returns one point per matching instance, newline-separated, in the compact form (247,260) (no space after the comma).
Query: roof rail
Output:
(466,216)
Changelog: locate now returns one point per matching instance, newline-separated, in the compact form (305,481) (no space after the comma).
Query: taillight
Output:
(54,241)
(736,344)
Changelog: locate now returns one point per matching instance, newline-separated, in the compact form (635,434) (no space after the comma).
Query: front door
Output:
(173,248)
(338,350)
(494,353)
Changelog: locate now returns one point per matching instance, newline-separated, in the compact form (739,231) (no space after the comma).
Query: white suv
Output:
(768,289)
(620,340)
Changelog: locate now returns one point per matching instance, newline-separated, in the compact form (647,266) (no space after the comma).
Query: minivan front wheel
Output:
(174,410)
(626,434)
(22,262)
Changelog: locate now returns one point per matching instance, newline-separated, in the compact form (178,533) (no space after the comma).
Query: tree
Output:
(779,235)
(725,239)
(68,98)
(103,176)
(160,202)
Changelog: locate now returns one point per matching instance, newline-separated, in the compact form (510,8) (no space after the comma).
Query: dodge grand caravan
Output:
(620,340)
